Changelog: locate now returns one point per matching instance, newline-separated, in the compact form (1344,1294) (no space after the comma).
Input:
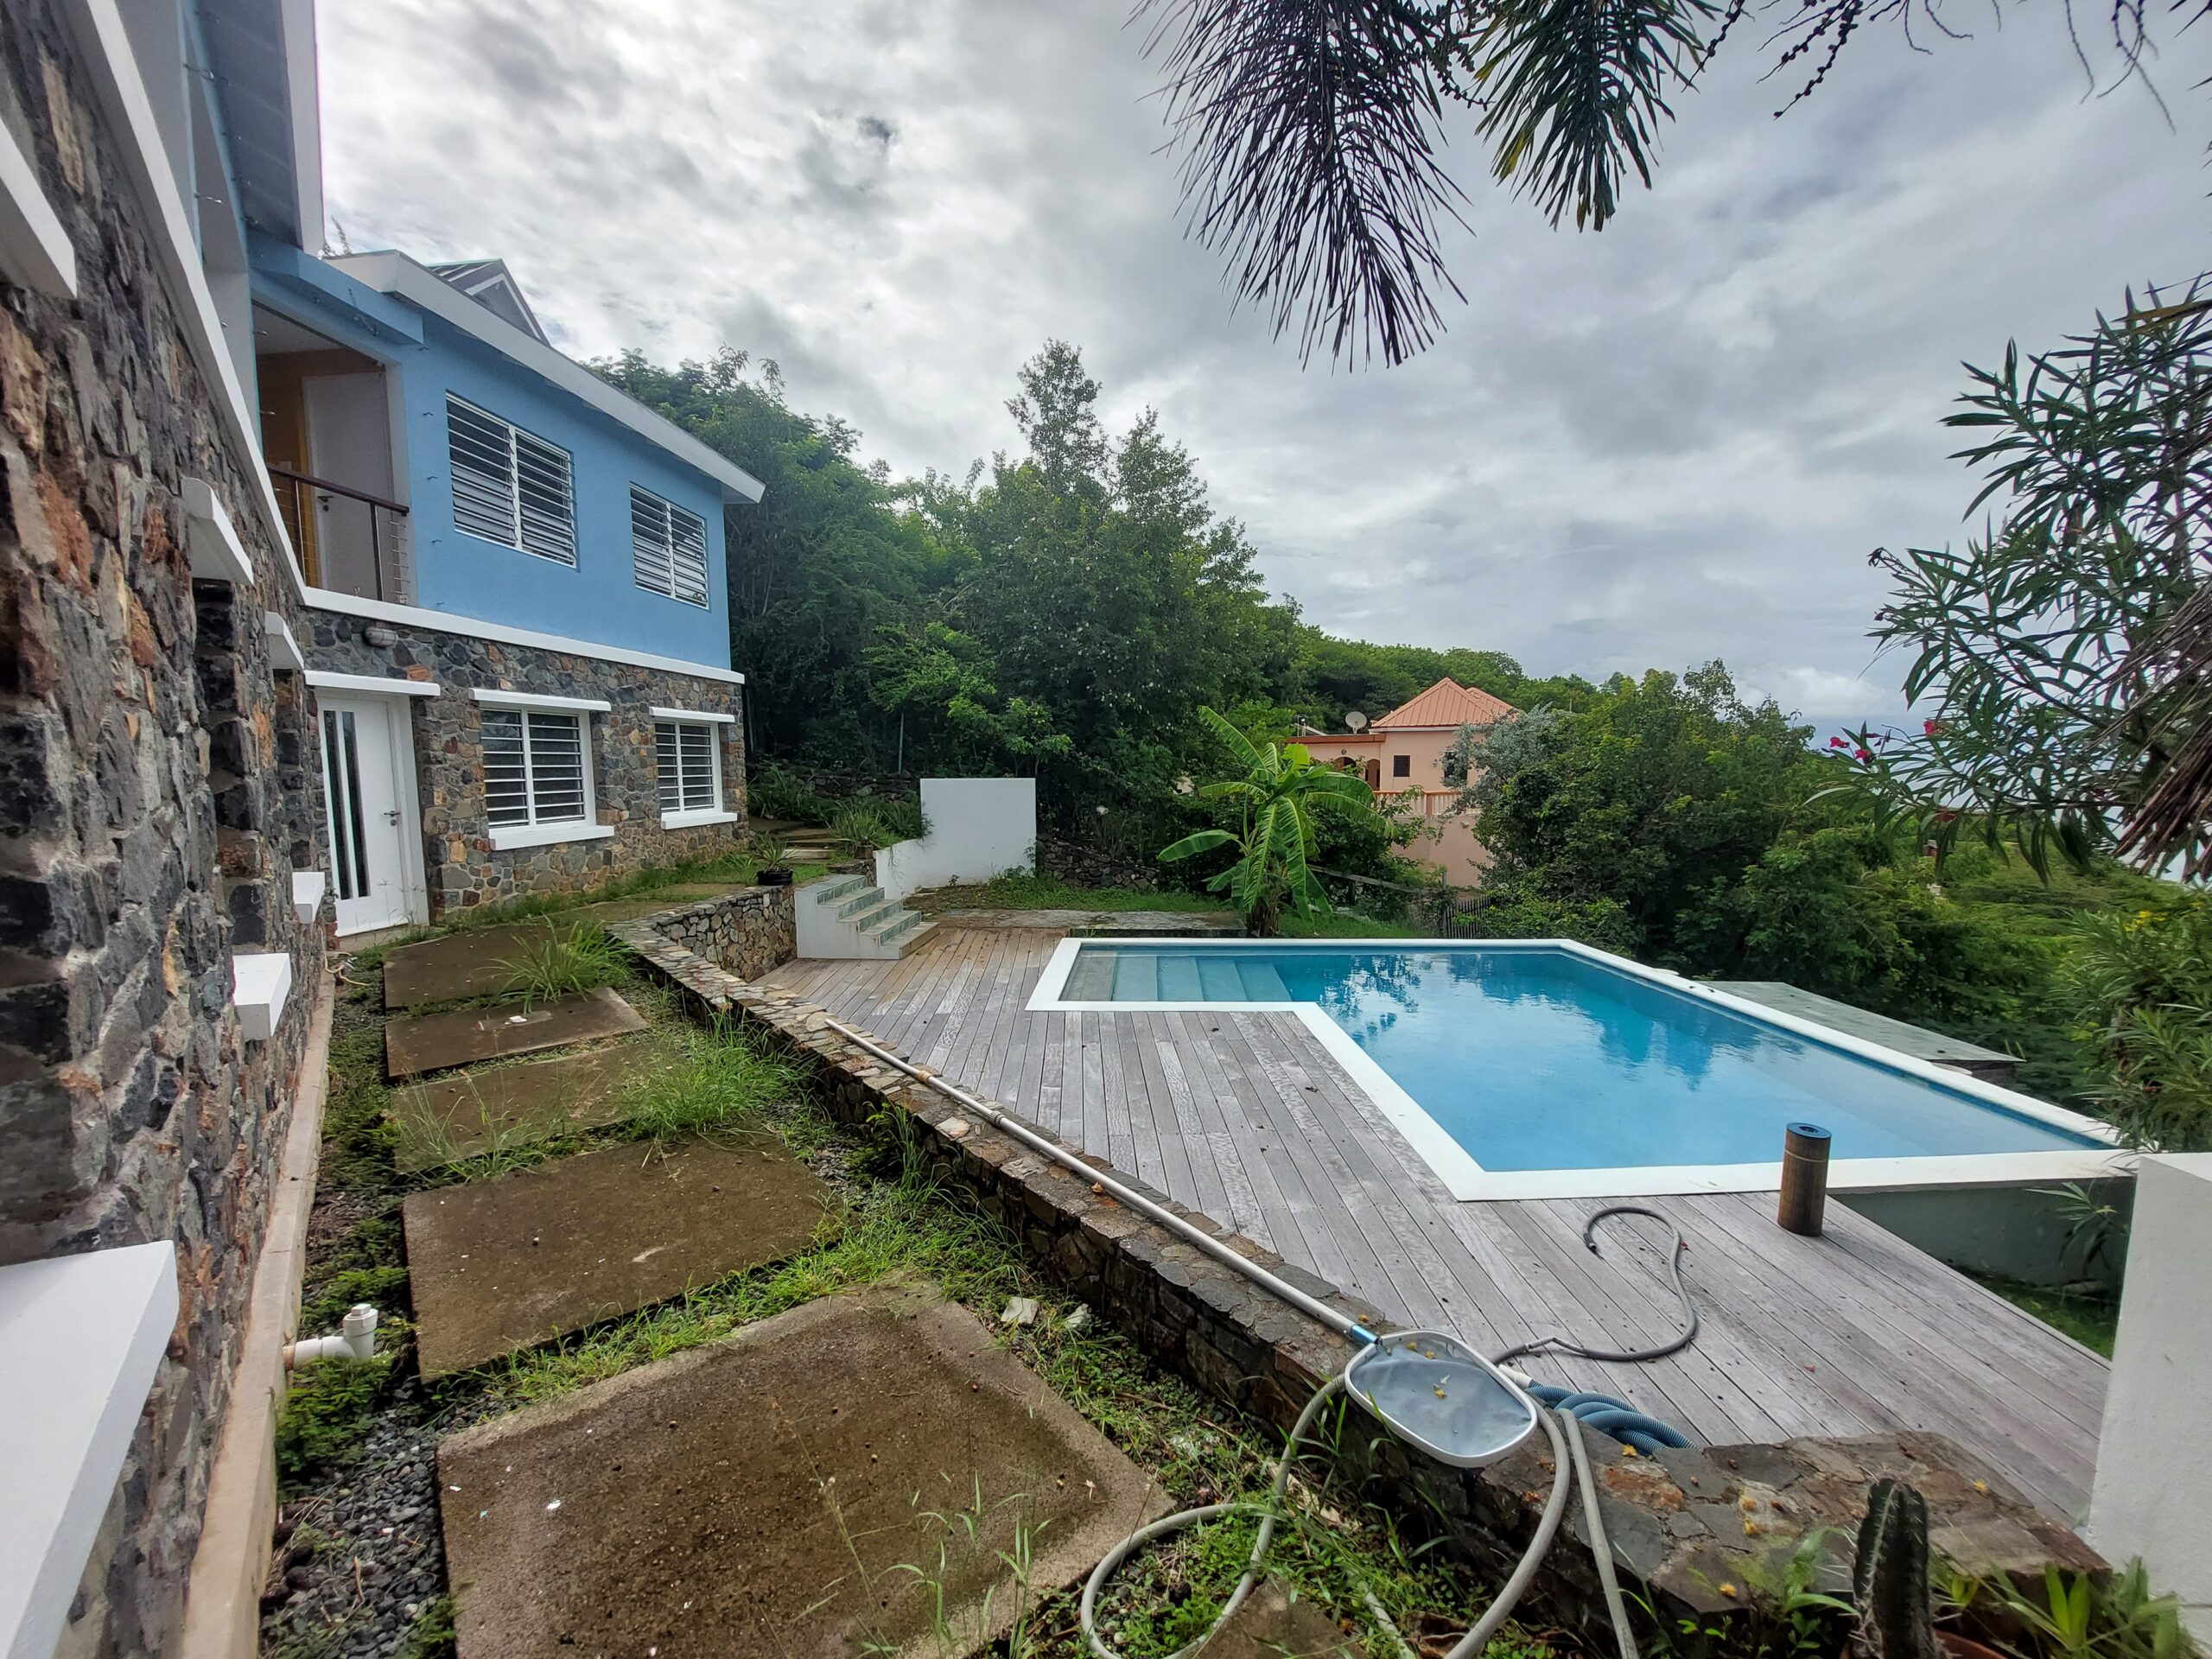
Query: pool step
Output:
(848,918)
(1261,982)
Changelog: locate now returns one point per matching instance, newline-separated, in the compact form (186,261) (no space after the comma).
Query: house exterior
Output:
(516,577)
(1403,752)
(332,597)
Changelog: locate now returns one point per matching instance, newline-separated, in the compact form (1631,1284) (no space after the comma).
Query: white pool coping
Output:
(1468,1180)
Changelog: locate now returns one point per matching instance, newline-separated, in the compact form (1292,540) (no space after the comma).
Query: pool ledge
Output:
(1467,1180)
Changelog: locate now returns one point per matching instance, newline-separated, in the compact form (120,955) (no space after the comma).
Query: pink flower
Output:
(1931,726)
(1835,743)
(1862,754)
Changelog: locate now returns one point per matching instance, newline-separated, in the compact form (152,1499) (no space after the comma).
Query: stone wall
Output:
(744,933)
(153,801)
(461,867)
(1703,1532)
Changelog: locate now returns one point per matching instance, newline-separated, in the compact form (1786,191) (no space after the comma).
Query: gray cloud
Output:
(1674,441)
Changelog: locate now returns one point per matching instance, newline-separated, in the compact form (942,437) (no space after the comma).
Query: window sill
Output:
(695,820)
(505,840)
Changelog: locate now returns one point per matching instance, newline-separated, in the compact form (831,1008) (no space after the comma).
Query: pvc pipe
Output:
(1342,1325)
(356,1340)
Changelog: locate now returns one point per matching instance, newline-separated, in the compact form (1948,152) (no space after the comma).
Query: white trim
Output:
(375,685)
(81,1339)
(695,819)
(1467,1179)
(261,983)
(283,650)
(106,46)
(216,553)
(307,888)
(505,838)
(469,627)
(694,714)
(394,273)
(539,700)
(35,250)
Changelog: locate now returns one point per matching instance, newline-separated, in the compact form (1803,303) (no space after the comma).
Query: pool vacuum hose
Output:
(1563,1415)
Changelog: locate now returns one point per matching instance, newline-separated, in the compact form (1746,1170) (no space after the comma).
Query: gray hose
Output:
(1560,1344)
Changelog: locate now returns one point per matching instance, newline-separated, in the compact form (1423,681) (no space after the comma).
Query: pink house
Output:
(1404,750)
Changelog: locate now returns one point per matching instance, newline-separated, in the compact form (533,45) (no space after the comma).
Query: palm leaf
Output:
(1202,840)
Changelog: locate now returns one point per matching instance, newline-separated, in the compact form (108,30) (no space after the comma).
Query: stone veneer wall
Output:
(1701,1531)
(461,867)
(744,933)
(154,796)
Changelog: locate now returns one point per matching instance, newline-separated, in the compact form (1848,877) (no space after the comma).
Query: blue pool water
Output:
(1536,1059)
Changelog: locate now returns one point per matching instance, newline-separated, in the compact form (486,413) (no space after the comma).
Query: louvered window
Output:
(535,768)
(669,546)
(690,770)
(509,487)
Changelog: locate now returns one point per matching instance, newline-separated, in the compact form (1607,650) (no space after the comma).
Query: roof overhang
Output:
(263,54)
(402,277)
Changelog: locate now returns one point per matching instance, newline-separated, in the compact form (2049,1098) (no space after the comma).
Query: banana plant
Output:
(1277,796)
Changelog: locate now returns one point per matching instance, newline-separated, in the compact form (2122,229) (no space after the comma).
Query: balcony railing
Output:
(348,540)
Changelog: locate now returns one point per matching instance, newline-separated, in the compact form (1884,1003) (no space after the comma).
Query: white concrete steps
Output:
(848,918)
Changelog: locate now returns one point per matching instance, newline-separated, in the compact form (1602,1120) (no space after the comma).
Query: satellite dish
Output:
(1356,721)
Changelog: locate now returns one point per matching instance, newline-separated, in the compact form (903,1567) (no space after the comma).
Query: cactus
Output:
(1889,1581)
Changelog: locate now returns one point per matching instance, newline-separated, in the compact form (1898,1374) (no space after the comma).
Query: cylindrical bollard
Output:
(1804,1178)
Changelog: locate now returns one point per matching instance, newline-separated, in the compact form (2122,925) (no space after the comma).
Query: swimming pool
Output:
(1545,1069)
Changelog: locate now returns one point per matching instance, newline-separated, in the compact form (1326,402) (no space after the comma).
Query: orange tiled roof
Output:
(1447,704)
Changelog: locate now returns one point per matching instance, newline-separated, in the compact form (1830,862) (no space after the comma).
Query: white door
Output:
(363,749)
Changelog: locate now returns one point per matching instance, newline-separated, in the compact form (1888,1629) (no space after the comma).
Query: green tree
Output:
(1651,801)
(2062,656)
(1277,801)
(2139,987)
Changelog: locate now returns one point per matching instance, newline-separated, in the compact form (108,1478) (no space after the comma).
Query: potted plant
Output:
(773,860)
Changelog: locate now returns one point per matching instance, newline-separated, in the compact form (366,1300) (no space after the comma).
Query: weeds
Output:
(582,957)
(324,1417)
(432,1634)
(717,1080)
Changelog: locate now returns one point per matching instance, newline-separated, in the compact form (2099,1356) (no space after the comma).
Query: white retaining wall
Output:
(977,828)
(2157,1438)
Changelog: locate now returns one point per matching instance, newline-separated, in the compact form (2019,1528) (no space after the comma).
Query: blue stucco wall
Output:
(599,601)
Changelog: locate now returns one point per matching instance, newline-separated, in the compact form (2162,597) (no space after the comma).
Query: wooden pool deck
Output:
(1244,1116)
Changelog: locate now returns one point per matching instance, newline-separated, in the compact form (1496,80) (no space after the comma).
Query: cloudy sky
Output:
(1674,441)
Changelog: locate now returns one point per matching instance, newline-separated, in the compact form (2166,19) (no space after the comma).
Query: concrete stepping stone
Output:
(762,1494)
(498,1265)
(472,963)
(472,1113)
(431,1042)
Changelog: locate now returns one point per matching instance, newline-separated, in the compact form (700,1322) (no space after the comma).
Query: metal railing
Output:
(348,540)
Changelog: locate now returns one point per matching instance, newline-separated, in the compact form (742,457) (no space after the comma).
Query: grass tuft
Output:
(581,957)
(716,1080)
(325,1416)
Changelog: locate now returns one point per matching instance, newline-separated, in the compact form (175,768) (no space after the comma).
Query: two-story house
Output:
(520,608)
(1403,751)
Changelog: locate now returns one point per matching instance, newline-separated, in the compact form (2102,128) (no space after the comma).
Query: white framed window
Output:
(539,786)
(509,485)
(668,546)
(688,765)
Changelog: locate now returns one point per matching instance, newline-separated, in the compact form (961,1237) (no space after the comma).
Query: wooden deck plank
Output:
(1245,1117)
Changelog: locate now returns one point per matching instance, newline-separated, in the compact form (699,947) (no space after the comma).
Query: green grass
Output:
(1017,892)
(564,962)
(717,1079)
(2090,1320)
(1350,924)
(326,1415)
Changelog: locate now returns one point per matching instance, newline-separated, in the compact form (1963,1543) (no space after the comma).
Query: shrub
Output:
(2140,990)
(565,961)
(772,792)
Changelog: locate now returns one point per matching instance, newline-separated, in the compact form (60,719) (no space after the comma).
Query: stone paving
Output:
(506,1263)
(467,1114)
(432,1042)
(803,1488)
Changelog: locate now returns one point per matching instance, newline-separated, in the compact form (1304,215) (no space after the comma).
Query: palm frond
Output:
(1307,132)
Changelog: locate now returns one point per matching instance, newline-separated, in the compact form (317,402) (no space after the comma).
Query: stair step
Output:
(854,904)
(899,922)
(869,920)
(835,887)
